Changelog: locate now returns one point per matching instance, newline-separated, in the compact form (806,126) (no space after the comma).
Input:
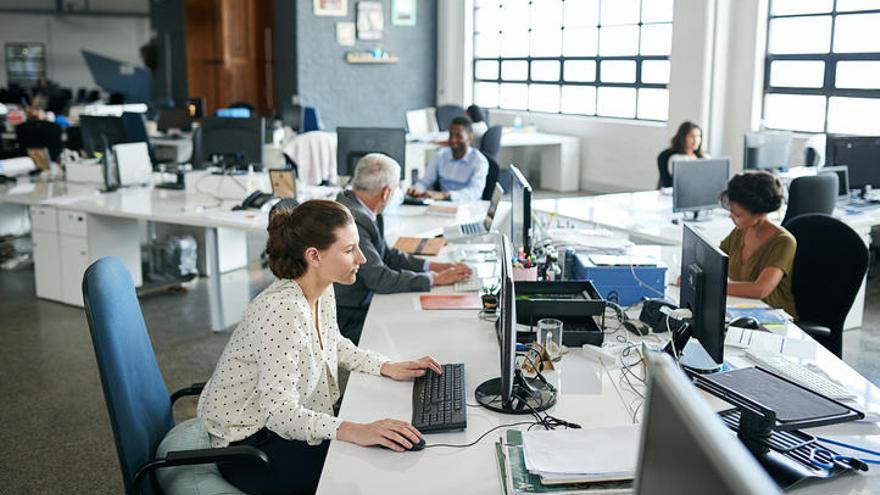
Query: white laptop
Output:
(477,228)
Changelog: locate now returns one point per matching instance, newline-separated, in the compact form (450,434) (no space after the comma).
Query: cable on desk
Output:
(465,445)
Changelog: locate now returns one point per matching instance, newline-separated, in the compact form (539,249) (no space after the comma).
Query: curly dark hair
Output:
(292,231)
(677,142)
(757,191)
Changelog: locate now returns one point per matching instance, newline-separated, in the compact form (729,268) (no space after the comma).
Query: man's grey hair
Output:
(375,171)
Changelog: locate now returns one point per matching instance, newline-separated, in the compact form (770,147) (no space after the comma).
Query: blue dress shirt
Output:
(464,179)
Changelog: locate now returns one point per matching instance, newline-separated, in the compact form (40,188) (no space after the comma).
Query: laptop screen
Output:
(493,206)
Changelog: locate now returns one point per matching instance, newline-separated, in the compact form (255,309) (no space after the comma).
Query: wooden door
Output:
(229,52)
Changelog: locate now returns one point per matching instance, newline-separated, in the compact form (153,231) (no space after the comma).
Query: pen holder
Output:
(525,274)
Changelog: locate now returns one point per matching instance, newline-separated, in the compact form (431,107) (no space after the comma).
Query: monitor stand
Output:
(694,216)
(530,395)
(690,354)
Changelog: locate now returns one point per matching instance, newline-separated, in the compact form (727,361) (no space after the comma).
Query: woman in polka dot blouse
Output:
(276,382)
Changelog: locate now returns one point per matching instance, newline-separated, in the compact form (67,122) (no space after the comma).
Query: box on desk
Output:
(576,303)
(625,276)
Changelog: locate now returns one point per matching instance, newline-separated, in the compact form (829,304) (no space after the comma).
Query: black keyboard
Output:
(439,400)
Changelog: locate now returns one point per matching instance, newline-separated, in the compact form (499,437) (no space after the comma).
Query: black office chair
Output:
(811,194)
(445,114)
(491,142)
(665,179)
(829,266)
(198,158)
(40,134)
(491,179)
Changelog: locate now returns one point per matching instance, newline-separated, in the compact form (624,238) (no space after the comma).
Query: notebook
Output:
(451,301)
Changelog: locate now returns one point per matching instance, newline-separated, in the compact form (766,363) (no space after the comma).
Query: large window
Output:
(822,72)
(584,57)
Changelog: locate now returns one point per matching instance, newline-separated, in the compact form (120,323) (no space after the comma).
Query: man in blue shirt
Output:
(459,170)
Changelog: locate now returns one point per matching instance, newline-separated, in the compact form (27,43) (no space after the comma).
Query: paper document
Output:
(13,167)
(770,343)
(591,452)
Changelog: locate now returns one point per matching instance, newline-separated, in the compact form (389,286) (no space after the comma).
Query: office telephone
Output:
(255,200)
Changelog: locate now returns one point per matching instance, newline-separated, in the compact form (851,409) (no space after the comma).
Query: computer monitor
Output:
(861,154)
(512,392)
(234,113)
(521,211)
(353,143)
(842,179)
(233,142)
(100,132)
(685,449)
(696,184)
(174,118)
(766,150)
(704,293)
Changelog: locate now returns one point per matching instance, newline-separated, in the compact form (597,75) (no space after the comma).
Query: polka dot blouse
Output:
(274,372)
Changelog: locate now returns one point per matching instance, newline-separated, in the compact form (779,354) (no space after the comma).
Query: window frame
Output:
(828,89)
(561,82)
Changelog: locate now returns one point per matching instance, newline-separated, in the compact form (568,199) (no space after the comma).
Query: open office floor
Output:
(55,430)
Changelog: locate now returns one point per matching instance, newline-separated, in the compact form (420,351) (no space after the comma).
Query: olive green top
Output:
(778,251)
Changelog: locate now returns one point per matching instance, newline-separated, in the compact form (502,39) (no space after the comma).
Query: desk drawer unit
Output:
(73,223)
(44,218)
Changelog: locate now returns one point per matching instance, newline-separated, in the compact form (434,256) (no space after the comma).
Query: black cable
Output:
(465,445)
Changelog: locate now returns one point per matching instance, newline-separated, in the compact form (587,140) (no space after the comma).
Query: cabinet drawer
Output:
(44,218)
(72,223)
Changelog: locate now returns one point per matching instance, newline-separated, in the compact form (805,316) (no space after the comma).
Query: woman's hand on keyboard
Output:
(407,370)
(391,433)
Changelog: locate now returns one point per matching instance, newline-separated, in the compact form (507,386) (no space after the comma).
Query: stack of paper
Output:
(570,456)
(517,479)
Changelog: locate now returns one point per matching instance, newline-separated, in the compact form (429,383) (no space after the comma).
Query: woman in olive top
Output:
(761,253)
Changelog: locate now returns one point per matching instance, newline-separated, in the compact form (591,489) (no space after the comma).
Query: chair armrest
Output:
(235,454)
(194,389)
(814,329)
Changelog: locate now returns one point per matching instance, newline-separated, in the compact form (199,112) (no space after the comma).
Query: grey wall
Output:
(366,95)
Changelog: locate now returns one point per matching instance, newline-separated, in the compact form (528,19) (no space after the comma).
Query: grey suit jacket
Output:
(386,270)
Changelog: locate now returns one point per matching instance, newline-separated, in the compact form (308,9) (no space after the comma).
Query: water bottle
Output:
(517,123)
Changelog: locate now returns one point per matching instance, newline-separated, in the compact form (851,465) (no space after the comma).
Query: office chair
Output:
(445,114)
(829,266)
(811,194)
(40,134)
(491,179)
(310,120)
(147,441)
(197,160)
(491,142)
(665,179)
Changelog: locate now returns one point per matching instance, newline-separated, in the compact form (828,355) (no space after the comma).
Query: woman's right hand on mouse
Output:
(391,433)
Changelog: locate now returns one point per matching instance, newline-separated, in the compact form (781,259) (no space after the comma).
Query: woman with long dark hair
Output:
(687,144)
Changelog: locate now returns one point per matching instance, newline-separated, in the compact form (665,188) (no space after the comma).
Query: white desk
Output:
(646,217)
(74,225)
(555,157)
(590,395)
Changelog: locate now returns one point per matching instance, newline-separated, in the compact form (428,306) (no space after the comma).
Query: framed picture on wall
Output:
(345,33)
(403,12)
(370,20)
(331,7)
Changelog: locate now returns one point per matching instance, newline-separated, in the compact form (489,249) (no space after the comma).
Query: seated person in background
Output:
(276,382)
(386,269)
(761,253)
(459,170)
(478,123)
(687,144)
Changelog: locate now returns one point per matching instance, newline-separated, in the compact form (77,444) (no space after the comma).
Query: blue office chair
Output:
(445,114)
(135,393)
(310,120)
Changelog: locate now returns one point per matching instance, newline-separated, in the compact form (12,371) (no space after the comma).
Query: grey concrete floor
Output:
(54,428)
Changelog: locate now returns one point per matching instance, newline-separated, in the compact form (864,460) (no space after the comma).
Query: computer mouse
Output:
(636,327)
(416,446)
(746,322)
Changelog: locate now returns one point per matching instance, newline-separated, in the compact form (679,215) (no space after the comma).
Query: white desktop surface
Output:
(590,395)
